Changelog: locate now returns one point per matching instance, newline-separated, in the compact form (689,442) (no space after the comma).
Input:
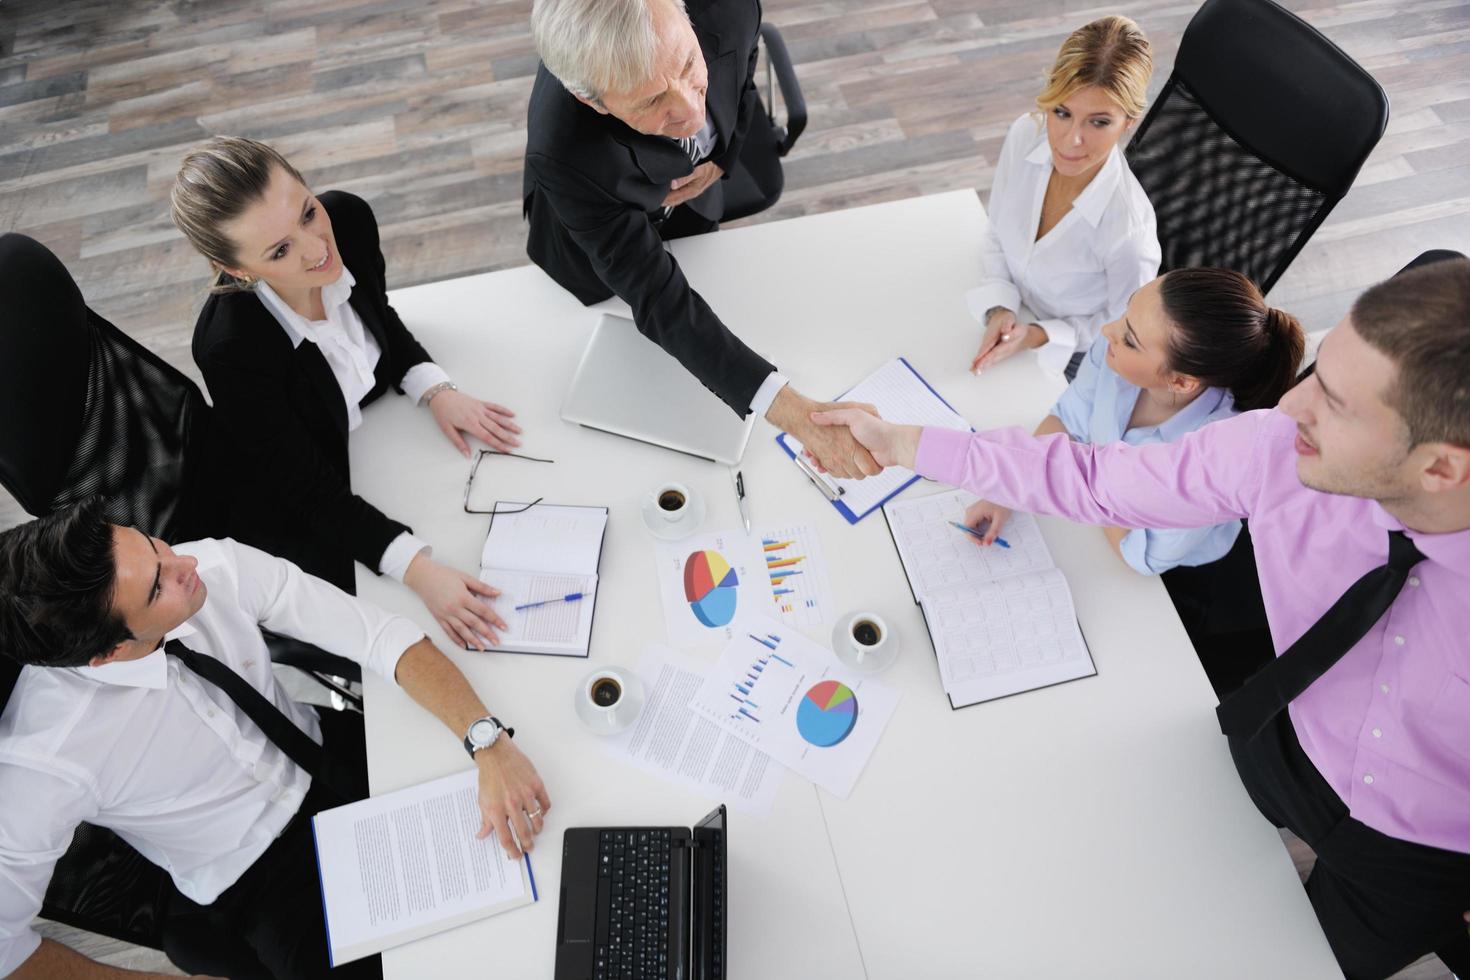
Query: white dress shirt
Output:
(1080,274)
(352,352)
(159,755)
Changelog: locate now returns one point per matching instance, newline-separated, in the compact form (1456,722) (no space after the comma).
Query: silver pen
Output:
(740,499)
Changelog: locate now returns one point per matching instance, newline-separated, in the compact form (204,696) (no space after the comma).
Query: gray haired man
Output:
(640,109)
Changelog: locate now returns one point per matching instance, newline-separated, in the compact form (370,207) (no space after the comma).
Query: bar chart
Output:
(800,592)
(744,689)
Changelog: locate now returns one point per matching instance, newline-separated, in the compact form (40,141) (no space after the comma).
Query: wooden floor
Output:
(419,106)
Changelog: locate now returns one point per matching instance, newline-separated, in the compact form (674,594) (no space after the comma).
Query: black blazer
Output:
(592,187)
(283,423)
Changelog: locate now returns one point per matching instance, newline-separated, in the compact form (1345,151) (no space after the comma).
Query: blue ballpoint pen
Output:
(979,536)
(573,597)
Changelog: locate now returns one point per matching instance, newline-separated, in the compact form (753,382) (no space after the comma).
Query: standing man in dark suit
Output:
(639,111)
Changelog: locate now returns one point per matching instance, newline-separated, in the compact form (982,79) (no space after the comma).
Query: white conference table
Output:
(1092,829)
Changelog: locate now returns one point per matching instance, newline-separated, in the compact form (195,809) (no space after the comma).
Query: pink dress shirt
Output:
(1388,726)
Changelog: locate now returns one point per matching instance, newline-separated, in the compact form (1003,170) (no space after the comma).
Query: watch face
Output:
(482,732)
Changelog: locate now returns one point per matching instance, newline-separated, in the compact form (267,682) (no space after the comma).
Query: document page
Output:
(935,553)
(1001,617)
(544,538)
(405,865)
(791,698)
(673,742)
(708,580)
(558,627)
(900,396)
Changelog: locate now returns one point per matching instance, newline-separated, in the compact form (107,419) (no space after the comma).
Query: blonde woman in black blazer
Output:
(296,338)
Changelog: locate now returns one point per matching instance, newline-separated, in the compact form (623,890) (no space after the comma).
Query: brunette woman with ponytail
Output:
(1193,346)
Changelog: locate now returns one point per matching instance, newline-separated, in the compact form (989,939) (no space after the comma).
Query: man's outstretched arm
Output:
(1211,475)
(512,796)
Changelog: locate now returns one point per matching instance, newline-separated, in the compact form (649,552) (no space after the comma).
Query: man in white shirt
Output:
(113,722)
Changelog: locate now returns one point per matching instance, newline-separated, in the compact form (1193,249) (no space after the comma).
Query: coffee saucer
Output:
(653,519)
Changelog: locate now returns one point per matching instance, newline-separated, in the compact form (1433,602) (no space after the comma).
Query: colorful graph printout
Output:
(800,591)
(789,697)
(707,582)
(827,713)
(712,588)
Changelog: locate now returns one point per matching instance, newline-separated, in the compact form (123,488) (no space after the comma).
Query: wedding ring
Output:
(534,814)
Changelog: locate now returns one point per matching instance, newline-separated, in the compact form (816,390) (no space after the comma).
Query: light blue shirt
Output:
(1096,407)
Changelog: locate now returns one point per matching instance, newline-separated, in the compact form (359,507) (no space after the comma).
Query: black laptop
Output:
(643,903)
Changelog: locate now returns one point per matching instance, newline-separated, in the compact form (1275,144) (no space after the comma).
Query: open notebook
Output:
(1001,619)
(539,553)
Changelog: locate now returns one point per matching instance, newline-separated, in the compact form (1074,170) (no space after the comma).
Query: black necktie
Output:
(1247,711)
(280,729)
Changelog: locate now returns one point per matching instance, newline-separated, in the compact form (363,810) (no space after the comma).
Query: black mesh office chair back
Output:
(103,415)
(1256,135)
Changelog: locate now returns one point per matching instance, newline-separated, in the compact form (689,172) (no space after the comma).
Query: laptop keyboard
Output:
(634,866)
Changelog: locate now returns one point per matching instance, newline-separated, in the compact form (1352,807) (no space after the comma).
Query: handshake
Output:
(846,439)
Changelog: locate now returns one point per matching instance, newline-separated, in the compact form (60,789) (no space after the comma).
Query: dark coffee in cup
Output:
(606,692)
(866,632)
(671,500)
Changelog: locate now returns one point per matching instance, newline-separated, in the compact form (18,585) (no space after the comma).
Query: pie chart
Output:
(710,585)
(827,714)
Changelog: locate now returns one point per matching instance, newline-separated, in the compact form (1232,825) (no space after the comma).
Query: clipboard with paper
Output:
(901,395)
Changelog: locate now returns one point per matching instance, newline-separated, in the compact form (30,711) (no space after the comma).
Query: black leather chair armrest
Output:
(295,653)
(778,61)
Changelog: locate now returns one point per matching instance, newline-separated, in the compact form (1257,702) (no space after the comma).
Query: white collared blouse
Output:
(1080,274)
(352,353)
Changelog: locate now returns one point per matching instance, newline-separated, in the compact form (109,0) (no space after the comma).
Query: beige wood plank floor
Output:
(419,106)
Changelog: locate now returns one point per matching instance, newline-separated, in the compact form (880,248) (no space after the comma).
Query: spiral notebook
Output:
(1001,619)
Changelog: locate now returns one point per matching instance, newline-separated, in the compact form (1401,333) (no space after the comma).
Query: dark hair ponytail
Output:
(1226,336)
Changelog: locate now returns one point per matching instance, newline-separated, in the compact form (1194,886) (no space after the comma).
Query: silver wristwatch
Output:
(484,733)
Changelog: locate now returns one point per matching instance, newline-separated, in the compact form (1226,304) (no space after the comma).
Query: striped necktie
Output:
(690,146)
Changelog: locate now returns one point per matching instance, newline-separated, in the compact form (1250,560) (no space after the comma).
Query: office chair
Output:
(1257,134)
(89,411)
(757,183)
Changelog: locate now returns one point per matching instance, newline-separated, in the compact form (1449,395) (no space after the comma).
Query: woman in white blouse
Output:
(295,339)
(1071,232)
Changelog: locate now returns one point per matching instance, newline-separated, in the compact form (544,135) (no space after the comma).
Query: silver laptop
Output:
(627,385)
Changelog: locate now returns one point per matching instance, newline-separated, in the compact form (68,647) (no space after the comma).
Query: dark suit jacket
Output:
(283,420)
(593,187)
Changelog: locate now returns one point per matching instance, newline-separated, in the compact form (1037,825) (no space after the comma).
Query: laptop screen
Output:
(710,894)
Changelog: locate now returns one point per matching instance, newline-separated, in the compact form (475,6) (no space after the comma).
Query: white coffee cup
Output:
(671,501)
(609,699)
(863,640)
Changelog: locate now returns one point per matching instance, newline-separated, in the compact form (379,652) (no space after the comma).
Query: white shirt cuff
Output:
(1061,344)
(400,552)
(767,392)
(421,377)
(991,295)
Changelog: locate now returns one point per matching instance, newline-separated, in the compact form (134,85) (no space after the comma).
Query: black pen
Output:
(740,499)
